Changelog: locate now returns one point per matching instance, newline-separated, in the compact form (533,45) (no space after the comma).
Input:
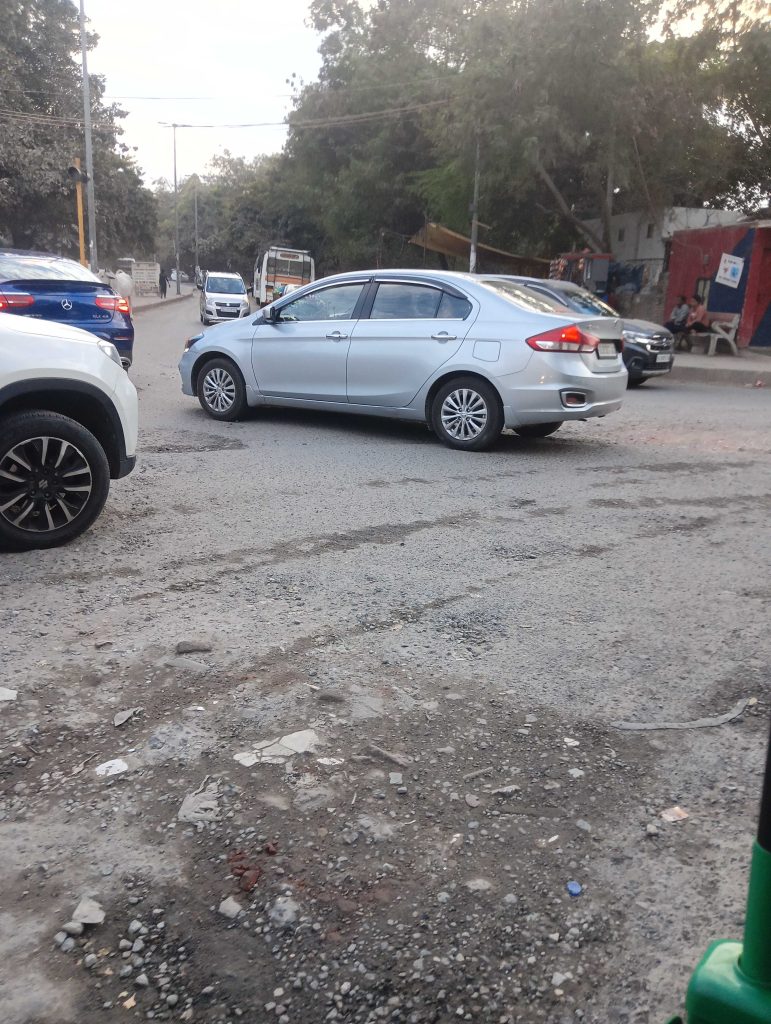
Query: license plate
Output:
(606,350)
(664,358)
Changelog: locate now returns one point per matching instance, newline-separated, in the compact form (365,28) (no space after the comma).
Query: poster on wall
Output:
(730,270)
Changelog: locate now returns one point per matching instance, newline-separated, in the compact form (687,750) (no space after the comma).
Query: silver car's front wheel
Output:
(466,413)
(221,390)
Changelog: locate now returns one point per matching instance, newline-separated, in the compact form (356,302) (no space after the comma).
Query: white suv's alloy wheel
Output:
(45,483)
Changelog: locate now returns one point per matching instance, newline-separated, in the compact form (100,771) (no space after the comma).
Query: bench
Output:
(719,330)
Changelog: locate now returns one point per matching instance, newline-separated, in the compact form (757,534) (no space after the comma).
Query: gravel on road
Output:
(319,721)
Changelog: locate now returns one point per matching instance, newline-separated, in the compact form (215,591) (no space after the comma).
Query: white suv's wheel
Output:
(54,479)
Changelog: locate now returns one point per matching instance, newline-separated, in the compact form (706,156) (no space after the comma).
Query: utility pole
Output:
(79,202)
(195,215)
(472,263)
(93,260)
(176,210)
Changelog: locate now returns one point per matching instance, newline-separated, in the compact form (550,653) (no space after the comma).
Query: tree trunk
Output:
(595,242)
(607,206)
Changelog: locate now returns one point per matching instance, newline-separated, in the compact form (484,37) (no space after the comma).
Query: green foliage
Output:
(582,108)
(41,110)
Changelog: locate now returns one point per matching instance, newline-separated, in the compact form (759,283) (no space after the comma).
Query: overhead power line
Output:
(326,122)
(49,120)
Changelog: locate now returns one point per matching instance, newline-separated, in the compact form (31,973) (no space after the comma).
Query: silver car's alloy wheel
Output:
(45,483)
(219,389)
(464,414)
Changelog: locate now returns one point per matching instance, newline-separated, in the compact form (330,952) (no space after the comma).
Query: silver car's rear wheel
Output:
(466,413)
(221,390)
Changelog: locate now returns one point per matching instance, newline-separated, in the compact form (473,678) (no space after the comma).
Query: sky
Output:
(234,57)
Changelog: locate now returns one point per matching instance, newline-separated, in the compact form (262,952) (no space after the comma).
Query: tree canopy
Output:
(581,108)
(41,131)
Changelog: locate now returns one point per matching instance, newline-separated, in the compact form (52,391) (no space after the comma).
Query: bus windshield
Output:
(282,266)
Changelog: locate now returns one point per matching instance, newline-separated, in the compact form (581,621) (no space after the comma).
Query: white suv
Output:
(68,423)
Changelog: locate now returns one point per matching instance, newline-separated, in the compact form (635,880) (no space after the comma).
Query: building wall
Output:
(695,259)
(638,236)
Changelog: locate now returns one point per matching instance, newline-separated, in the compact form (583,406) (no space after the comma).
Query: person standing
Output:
(162,283)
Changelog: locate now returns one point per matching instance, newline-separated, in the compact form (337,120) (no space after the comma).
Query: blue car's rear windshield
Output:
(18,267)
(225,286)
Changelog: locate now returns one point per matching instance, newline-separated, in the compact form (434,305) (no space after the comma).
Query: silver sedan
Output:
(467,354)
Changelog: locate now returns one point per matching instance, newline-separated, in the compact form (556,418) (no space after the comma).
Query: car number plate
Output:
(664,358)
(606,350)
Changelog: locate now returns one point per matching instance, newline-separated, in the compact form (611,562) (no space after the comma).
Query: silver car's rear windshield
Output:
(17,267)
(225,286)
(581,299)
(519,295)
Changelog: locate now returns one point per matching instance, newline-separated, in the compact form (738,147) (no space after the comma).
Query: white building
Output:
(638,237)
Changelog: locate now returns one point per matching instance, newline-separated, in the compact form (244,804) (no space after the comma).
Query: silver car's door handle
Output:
(444,336)
(337,336)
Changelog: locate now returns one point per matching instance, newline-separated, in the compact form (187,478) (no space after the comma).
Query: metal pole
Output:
(176,210)
(93,259)
(472,263)
(195,209)
(79,202)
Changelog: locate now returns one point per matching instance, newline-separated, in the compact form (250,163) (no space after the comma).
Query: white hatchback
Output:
(223,297)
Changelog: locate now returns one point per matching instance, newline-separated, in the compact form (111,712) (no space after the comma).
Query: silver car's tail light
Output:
(564,339)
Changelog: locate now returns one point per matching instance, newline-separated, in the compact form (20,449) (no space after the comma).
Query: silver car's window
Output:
(337,303)
(521,296)
(453,307)
(405,302)
(225,286)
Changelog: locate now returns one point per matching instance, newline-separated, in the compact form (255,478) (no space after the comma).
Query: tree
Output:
(41,131)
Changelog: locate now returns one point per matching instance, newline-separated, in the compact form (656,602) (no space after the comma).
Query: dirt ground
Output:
(456,638)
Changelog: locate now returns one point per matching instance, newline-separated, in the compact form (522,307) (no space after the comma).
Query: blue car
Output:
(48,287)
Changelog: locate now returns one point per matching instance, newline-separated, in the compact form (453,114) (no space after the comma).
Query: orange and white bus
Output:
(280,269)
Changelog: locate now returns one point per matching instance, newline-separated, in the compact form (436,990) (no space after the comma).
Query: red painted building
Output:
(694,262)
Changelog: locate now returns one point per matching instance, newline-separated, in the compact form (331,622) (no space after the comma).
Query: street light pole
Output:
(176,210)
(93,260)
(472,263)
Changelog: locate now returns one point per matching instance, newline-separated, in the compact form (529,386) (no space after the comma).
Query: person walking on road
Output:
(162,283)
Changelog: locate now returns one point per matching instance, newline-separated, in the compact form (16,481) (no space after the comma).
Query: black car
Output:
(648,347)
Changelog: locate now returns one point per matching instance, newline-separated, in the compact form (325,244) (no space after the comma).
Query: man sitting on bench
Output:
(679,316)
(698,319)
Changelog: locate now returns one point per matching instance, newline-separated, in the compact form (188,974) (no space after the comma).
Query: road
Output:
(460,631)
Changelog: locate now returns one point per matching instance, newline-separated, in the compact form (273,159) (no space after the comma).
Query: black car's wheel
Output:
(538,429)
(466,413)
(221,390)
(54,479)
(635,382)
